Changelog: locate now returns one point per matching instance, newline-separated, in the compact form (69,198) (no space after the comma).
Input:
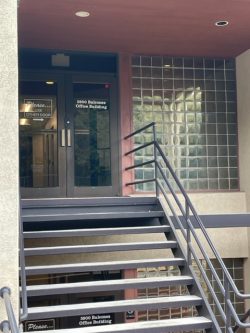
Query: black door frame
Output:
(72,190)
(66,186)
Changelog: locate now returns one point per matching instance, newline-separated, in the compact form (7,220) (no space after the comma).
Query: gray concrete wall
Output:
(9,174)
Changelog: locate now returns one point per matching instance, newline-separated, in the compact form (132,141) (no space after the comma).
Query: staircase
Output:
(86,257)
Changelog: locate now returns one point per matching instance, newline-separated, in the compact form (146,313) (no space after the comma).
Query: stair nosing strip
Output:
(99,248)
(95,231)
(113,306)
(121,284)
(85,267)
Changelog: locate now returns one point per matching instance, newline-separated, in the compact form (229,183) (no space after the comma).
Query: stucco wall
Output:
(9,189)
(243,94)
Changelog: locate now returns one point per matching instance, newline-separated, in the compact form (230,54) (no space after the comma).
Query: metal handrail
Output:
(11,324)
(243,319)
(24,313)
(139,130)
(229,312)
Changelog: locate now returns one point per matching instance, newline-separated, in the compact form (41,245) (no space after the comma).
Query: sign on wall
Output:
(40,325)
(91,104)
(97,319)
(37,108)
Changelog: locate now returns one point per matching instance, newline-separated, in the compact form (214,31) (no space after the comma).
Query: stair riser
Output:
(161,326)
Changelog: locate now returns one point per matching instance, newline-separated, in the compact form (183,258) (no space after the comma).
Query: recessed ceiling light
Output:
(82,14)
(50,82)
(222,23)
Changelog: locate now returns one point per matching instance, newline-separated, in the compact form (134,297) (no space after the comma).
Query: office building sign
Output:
(96,320)
(91,104)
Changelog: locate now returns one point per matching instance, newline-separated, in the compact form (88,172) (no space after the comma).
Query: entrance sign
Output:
(39,108)
(94,104)
(40,325)
(96,320)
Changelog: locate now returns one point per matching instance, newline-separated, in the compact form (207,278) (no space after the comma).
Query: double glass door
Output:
(68,135)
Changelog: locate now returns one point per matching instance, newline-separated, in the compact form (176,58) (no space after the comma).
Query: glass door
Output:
(68,135)
(41,122)
(91,126)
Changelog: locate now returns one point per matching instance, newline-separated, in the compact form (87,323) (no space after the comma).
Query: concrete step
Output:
(103,266)
(41,251)
(95,232)
(154,326)
(107,285)
(113,306)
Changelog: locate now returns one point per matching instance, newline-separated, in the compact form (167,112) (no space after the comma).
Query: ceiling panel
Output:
(170,27)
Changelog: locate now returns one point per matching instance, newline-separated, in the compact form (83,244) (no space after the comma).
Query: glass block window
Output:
(235,267)
(193,102)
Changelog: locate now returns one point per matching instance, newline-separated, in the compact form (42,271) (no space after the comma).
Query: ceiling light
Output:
(167,66)
(82,14)
(50,82)
(222,23)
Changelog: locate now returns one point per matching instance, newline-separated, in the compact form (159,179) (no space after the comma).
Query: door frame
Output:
(60,190)
(66,175)
(91,191)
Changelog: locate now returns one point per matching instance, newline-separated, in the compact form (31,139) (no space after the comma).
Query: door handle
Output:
(63,139)
(68,137)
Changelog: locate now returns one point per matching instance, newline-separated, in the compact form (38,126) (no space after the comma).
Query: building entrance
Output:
(68,135)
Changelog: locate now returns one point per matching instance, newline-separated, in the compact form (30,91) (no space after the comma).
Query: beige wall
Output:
(229,243)
(9,198)
(243,95)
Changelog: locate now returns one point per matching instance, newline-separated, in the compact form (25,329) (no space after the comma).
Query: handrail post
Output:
(155,158)
(227,308)
(5,326)
(5,294)
(189,259)
(24,313)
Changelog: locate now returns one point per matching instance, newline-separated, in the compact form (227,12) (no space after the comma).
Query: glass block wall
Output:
(193,102)
(235,267)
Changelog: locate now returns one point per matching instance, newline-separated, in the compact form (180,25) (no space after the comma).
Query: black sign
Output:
(130,314)
(40,325)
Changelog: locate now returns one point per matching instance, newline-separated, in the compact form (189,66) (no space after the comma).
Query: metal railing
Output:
(243,319)
(10,324)
(164,186)
(24,313)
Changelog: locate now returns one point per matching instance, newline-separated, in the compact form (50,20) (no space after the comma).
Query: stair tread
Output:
(156,326)
(108,265)
(88,202)
(52,289)
(95,231)
(88,216)
(99,247)
(113,306)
